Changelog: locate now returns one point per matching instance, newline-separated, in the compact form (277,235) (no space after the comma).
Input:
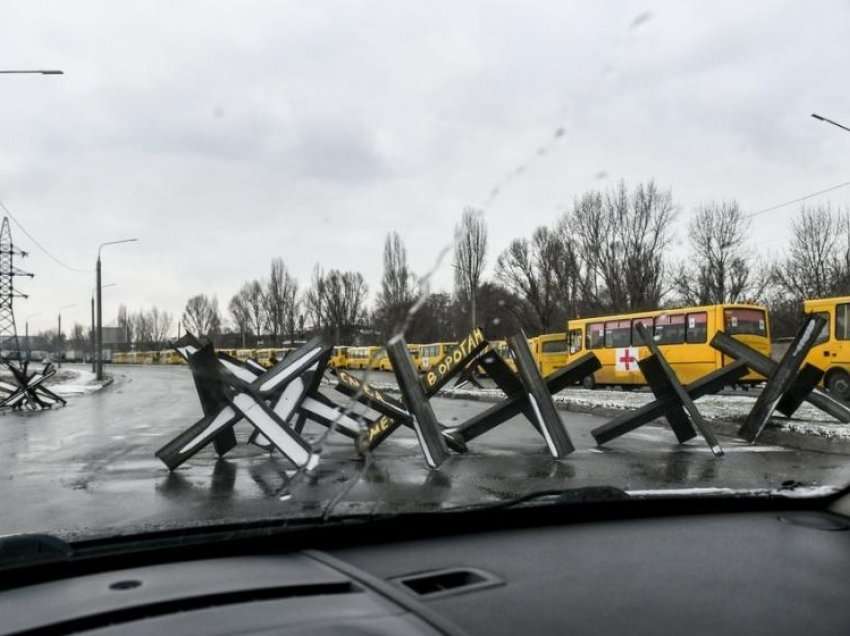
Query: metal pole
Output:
(27,338)
(93,366)
(99,325)
(59,343)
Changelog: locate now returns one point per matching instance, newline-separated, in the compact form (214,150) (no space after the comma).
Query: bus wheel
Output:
(838,384)
(589,382)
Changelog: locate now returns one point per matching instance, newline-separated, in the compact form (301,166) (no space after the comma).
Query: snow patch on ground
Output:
(77,382)
(808,420)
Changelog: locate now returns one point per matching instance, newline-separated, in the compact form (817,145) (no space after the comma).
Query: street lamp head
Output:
(102,245)
(37,71)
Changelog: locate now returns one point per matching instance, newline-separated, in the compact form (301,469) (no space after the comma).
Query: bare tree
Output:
(622,241)
(78,338)
(255,299)
(281,291)
(470,258)
(397,287)
(160,326)
(126,323)
(240,311)
(142,331)
(201,316)
(818,261)
(314,300)
(337,302)
(720,268)
(529,269)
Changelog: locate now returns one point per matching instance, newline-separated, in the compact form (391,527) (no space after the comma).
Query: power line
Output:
(800,200)
(39,245)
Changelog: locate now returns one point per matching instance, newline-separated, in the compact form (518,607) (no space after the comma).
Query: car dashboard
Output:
(742,569)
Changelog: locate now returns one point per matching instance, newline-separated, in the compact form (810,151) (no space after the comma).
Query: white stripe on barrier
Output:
(339,417)
(225,415)
(294,367)
(281,437)
(543,429)
(240,372)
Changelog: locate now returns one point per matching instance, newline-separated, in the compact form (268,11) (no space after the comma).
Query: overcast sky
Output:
(224,136)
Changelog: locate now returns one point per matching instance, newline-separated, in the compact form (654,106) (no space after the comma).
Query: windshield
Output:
(286,260)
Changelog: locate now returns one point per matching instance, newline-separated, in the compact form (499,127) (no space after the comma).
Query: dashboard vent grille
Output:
(439,583)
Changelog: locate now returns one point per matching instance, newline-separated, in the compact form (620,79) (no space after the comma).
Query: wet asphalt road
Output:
(90,469)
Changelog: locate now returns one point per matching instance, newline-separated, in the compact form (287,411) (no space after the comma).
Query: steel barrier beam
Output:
(807,379)
(671,383)
(782,377)
(517,402)
(428,429)
(631,420)
(433,380)
(763,365)
(28,389)
(538,396)
(232,393)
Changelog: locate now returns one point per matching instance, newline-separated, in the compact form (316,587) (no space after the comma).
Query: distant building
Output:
(114,335)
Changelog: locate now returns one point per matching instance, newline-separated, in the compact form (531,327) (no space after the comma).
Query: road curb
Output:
(775,433)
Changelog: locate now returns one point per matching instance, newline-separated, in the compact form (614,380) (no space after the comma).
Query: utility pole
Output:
(93,364)
(99,371)
(8,332)
(61,349)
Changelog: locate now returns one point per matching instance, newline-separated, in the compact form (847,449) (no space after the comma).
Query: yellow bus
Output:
(269,357)
(379,360)
(169,356)
(147,357)
(244,354)
(549,351)
(360,357)
(339,358)
(831,351)
(120,357)
(682,334)
(413,349)
(430,354)
(501,347)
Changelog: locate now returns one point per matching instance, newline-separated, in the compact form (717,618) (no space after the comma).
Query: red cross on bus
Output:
(627,358)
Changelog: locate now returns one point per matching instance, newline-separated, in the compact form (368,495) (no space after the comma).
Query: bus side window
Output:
(618,333)
(554,346)
(823,336)
(842,321)
(575,340)
(647,322)
(670,329)
(596,335)
(697,328)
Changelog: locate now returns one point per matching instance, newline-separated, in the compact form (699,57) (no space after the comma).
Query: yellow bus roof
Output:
(661,312)
(552,336)
(833,299)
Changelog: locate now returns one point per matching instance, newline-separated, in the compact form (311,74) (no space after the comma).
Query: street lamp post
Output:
(100,306)
(92,331)
(59,347)
(27,333)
